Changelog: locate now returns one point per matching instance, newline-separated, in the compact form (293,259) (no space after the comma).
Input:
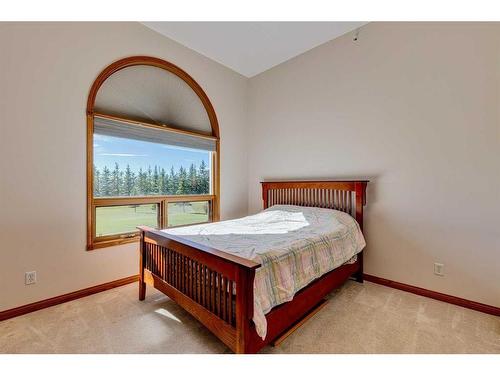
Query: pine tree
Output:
(116,181)
(149,182)
(97,182)
(141,185)
(192,185)
(195,180)
(181,182)
(155,185)
(172,182)
(128,181)
(203,179)
(105,184)
(162,182)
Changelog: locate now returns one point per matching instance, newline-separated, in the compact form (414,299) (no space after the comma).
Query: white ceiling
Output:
(252,47)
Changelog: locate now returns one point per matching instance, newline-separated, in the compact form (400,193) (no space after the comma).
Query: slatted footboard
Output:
(215,287)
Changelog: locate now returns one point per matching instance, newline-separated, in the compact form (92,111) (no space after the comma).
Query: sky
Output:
(139,154)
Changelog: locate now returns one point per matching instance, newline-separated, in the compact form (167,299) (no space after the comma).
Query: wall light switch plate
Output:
(30,278)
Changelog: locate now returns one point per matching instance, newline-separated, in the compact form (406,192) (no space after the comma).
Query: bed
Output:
(250,280)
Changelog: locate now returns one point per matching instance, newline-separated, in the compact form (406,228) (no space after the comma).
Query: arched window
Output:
(152,151)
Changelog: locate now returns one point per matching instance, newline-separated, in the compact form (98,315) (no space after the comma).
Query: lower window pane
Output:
(124,219)
(184,213)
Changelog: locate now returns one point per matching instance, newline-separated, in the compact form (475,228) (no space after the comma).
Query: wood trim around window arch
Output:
(90,112)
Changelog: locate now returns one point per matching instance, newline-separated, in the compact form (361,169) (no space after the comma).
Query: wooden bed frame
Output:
(200,279)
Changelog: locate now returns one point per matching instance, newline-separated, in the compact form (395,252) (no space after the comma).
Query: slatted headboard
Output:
(346,196)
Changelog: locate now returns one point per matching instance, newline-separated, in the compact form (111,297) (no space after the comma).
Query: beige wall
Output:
(414,107)
(45,74)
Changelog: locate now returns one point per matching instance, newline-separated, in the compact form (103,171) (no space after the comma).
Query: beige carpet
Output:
(360,318)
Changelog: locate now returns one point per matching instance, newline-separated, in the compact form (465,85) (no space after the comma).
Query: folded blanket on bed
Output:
(295,245)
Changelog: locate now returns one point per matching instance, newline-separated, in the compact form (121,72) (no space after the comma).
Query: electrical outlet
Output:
(439,269)
(30,278)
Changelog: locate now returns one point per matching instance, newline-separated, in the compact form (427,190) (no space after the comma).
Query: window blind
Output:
(150,94)
(154,134)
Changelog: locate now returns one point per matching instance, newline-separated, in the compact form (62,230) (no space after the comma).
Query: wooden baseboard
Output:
(21,310)
(488,309)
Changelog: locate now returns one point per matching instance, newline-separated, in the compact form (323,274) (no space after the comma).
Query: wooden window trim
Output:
(92,202)
(161,200)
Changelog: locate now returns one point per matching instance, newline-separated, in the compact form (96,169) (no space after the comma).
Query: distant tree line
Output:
(153,181)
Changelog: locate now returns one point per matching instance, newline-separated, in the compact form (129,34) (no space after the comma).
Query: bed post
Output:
(244,308)
(360,189)
(142,255)
(264,195)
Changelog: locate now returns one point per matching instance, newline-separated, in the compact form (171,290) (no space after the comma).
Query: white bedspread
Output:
(294,244)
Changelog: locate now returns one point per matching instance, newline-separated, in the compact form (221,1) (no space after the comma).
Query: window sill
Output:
(122,241)
(110,243)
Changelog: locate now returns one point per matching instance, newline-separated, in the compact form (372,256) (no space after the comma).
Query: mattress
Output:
(294,245)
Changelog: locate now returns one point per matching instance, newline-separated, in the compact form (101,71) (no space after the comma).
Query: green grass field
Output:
(124,219)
